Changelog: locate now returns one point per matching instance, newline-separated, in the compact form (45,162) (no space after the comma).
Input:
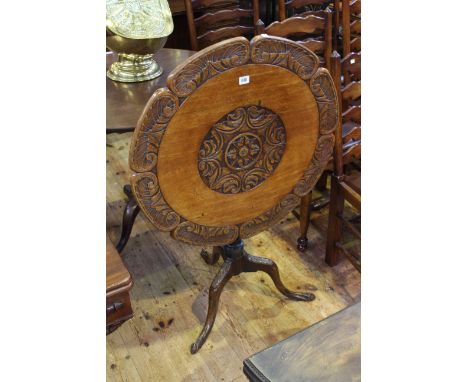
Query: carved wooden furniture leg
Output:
(334,223)
(131,211)
(213,257)
(255,263)
(236,261)
(306,207)
(223,276)
(322,182)
(304,222)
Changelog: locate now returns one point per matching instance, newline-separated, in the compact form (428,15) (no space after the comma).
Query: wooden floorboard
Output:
(171,282)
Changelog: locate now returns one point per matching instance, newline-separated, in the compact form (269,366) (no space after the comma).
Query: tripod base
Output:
(131,212)
(236,261)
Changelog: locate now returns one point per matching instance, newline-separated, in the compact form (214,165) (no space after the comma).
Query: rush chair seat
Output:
(241,132)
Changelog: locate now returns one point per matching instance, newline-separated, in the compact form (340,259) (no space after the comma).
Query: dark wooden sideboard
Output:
(125,101)
(328,351)
(118,284)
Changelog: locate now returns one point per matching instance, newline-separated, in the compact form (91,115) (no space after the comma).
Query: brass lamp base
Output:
(134,68)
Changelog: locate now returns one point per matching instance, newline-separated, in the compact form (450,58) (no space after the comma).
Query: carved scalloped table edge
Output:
(182,82)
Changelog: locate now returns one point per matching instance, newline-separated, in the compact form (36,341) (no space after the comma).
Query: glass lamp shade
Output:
(136,30)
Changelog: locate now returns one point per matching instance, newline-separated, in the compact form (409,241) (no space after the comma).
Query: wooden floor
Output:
(169,296)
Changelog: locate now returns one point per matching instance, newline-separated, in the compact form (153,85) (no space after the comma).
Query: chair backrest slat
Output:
(196,4)
(351,134)
(294,25)
(347,137)
(355,27)
(298,7)
(352,91)
(313,31)
(214,36)
(351,151)
(355,45)
(211,21)
(351,26)
(351,67)
(355,7)
(352,114)
(303,3)
(223,15)
(315,46)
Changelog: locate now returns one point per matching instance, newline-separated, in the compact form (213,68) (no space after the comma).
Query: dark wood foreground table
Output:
(328,351)
(125,101)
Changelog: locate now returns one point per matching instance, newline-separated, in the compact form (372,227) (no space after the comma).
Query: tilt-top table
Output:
(242,131)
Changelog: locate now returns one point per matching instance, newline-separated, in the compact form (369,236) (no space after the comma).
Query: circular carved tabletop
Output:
(242,131)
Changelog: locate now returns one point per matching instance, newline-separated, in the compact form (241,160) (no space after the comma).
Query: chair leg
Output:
(223,276)
(334,223)
(131,211)
(322,182)
(304,221)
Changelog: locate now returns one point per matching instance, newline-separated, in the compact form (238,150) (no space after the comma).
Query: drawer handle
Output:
(113,308)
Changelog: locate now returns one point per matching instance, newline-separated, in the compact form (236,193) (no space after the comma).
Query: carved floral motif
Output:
(197,234)
(324,92)
(148,194)
(151,126)
(242,150)
(285,53)
(270,217)
(207,64)
(323,153)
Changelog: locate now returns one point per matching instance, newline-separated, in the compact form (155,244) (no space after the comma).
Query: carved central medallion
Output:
(241,150)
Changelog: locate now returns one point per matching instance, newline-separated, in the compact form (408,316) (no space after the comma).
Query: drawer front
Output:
(118,309)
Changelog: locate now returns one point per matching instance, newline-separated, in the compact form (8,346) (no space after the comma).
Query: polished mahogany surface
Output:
(125,101)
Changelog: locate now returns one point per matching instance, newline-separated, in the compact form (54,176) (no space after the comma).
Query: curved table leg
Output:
(130,213)
(255,263)
(223,276)
(236,261)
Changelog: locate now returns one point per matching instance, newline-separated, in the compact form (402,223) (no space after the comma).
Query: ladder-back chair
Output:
(243,130)
(312,31)
(350,137)
(343,187)
(351,33)
(303,8)
(211,21)
(289,8)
